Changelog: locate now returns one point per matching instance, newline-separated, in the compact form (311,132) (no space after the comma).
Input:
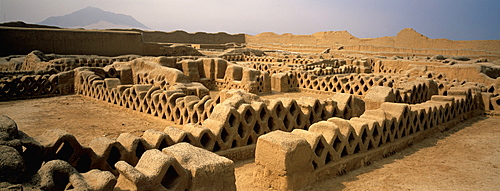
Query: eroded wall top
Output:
(405,38)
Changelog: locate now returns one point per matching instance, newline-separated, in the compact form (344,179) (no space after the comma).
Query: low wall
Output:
(232,119)
(291,161)
(417,91)
(35,86)
(127,163)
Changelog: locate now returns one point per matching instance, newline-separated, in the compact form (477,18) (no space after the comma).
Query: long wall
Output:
(15,41)
(291,161)
(193,38)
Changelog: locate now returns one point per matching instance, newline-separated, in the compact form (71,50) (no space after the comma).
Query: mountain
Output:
(94,18)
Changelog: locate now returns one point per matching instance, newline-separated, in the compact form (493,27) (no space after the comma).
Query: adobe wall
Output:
(17,41)
(55,159)
(234,118)
(192,38)
(291,161)
(445,75)
(33,86)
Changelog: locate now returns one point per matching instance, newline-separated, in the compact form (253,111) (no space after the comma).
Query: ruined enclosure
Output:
(358,104)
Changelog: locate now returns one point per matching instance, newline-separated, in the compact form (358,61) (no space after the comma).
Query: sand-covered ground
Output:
(466,157)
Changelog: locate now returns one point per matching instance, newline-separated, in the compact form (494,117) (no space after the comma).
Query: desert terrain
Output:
(152,110)
(462,158)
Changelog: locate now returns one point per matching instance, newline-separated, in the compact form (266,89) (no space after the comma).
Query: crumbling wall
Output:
(244,120)
(55,160)
(67,64)
(148,87)
(192,38)
(33,86)
(21,41)
(66,41)
(233,57)
(290,161)
(220,74)
(241,118)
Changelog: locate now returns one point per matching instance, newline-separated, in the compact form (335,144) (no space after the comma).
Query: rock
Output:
(438,57)
(8,129)
(460,58)
(9,134)
(12,168)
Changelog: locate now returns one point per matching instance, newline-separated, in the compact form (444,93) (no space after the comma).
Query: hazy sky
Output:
(452,19)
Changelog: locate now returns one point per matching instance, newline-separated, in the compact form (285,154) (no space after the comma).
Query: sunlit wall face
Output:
(452,19)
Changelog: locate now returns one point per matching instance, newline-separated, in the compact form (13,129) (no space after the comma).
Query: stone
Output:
(12,168)
(8,128)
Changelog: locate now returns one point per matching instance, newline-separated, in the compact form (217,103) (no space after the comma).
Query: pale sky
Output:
(452,19)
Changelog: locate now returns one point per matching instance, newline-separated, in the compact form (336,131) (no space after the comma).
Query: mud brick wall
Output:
(490,88)
(270,68)
(345,69)
(461,73)
(290,161)
(233,76)
(416,90)
(229,120)
(217,74)
(233,57)
(33,86)
(323,63)
(162,92)
(67,64)
(17,41)
(405,90)
(127,163)
(193,38)
(262,59)
(356,84)
(241,118)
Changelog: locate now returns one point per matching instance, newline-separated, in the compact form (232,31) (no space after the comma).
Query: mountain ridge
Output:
(90,16)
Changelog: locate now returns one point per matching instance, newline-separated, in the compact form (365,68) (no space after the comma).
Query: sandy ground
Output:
(466,157)
(83,117)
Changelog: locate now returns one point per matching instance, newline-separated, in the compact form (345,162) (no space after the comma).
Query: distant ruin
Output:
(384,94)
